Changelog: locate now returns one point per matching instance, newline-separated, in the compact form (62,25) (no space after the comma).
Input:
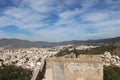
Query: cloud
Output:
(42,6)
(23,20)
(3,34)
(96,17)
(58,20)
(110,23)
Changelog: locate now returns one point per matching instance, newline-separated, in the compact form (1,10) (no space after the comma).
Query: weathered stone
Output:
(86,67)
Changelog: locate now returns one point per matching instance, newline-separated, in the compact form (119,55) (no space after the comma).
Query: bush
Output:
(111,73)
(98,50)
(12,72)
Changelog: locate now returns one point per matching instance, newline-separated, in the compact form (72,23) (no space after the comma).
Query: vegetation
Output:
(62,52)
(1,60)
(12,72)
(98,50)
(117,50)
(111,73)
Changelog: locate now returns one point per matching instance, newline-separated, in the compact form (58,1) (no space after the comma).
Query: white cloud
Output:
(32,15)
(70,14)
(106,33)
(109,23)
(22,18)
(3,34)
(96,16)
(42,6)
(87,4)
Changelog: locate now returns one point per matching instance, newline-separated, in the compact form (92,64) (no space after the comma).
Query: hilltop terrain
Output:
(18,43)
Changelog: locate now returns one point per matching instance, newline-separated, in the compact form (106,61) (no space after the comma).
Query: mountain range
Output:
(18,43)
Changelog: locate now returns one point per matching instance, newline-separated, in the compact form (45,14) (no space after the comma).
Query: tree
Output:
(111,73)
(12,72)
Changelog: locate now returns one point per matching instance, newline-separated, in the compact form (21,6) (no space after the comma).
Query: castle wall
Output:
(86,67)
(83,71)
(58,71)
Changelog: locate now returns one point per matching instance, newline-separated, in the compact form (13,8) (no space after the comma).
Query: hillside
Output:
(98,50)
(117,50)
(18,43)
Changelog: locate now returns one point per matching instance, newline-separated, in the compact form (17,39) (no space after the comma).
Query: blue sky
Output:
(59,20)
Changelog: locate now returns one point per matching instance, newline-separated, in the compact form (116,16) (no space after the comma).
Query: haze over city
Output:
(59,20)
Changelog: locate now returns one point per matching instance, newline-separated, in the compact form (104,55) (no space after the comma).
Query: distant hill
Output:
(117,50)
(18,43)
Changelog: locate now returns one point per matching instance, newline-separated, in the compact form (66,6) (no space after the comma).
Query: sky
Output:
(59,20)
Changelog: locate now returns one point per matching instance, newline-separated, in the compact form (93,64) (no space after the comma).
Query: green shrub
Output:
(12,72)
(111,73)
(98,50)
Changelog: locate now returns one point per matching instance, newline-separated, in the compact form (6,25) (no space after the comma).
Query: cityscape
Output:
(50,59)
(59,40)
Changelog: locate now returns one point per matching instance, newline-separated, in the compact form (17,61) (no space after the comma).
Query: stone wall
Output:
(83,71)
(58,71)
(86,67)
